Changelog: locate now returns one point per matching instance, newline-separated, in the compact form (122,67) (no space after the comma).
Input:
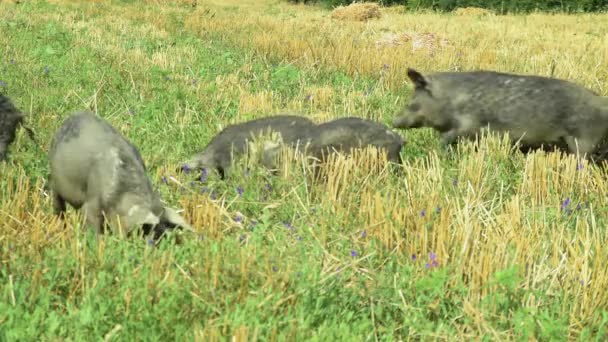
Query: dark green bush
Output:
(499,6)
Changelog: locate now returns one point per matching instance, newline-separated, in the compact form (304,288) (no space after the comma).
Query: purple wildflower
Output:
(353,253)
(238,218)
(240,190)
(413,257)
(455,182)
(164,180)
(427,265)
(422,213)
(204,174)
(434,263)
(566,203)
(433,256)
(186,168)
(363,234)
(579,166)
(287,225)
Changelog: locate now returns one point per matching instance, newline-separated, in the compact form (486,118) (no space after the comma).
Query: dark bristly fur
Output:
(538,110)
(217,154)
(345,134)
(93,166)
(10,119)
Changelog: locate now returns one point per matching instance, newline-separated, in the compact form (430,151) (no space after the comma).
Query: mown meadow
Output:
(481,242)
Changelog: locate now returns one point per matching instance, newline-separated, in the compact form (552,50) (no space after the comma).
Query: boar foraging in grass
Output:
(345,134)
(10,119)
(94,167)
(348,133)
(532,109)
(233,141)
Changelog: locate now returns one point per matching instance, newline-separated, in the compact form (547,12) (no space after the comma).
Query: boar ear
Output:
(417,78)
(173,217)
(138,216)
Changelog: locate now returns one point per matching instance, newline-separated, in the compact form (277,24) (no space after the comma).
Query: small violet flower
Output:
(240,191)
(353,253)
(566,203)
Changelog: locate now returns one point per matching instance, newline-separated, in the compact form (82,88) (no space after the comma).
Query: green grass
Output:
(300,265)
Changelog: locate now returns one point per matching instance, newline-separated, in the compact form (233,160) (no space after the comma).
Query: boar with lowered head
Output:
(348,133)
(234,140)
(95,168)
(10,119)
(534,110)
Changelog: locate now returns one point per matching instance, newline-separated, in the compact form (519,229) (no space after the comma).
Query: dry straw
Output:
(357,11)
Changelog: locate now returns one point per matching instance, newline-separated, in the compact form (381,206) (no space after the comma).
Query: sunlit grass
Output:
(477,242)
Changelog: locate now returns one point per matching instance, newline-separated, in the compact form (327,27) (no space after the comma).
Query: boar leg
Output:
(584,146)
(94,216)
(450,137)
(58,205)
(2,151)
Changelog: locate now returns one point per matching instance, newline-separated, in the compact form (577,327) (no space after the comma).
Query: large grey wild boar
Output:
(233,140)
(538,110)
(348,133)
(94,167)
(10,119)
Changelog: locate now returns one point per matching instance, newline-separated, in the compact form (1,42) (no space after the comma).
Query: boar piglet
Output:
(234,140)
(94,167)
(348,133)
(533,110)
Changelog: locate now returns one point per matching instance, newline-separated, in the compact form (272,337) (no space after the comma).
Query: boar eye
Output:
(414,107)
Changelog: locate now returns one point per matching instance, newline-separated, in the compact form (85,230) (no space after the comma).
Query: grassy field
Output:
(482,243)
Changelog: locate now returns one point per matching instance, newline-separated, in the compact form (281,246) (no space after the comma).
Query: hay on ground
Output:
(357,11)
(473,11)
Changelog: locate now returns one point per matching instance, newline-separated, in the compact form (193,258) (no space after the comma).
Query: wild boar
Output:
(94,167)
(348,133)
(533,110)
(233,141)
(10,119)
